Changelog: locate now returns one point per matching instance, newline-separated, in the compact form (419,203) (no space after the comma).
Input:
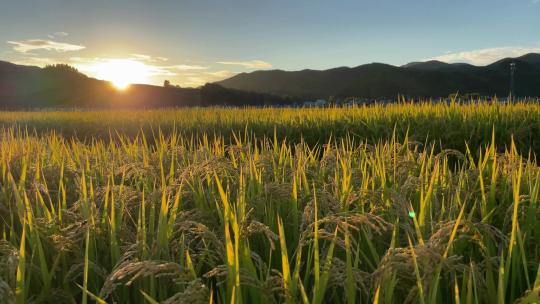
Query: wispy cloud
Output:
(252,64)
(535,1)
(60,34)
(182,74)
(57,34)
(486,56)
(91,65)
(187,67)
(159,61)
(154,69)
(221,74)
(24,46)
(149,58)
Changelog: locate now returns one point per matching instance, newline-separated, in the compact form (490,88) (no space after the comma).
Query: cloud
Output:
(152,69)
(252,64)
(92,65)
(186,67)
(149,58)
(57,34)
(221,74)
(535,1)
(23,46)
(486,56)
(182,74)
(155,70)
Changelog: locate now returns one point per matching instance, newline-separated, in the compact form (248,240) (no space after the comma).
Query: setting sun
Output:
(120,72)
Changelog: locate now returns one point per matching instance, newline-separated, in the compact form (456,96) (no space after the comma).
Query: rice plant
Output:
(252,206)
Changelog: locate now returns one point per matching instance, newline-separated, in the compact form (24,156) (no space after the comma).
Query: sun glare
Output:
(120,72)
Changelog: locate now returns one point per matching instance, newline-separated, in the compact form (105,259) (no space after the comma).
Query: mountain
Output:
(427,65)
(435,65)
(376,80)
(63,86)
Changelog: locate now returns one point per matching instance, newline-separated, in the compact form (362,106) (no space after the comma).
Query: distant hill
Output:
(376,80)
(427,65)
(26,87)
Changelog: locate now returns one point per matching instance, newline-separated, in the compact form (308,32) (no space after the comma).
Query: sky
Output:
(194,42)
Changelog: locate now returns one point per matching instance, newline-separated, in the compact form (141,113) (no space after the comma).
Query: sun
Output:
(121,72)
(120,84)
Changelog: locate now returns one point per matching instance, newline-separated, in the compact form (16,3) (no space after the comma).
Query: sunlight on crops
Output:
(271,205)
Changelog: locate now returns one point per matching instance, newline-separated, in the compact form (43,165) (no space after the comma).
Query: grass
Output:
(252,206)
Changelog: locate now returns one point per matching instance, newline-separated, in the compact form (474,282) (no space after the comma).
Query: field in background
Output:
(449,125)
(381,204)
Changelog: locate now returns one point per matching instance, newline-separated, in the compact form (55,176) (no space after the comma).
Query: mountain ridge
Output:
(24,86)
(61,86)
(375,80)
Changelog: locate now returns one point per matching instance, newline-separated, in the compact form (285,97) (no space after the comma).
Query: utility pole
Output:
(512,71)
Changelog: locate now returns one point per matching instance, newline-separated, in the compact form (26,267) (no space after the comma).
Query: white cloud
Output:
(149,58)
(535,1)
(252,64)
(160,71)
(23,46)
(152,69)
(186,67)
(486,56)
(90,65)
(142,57)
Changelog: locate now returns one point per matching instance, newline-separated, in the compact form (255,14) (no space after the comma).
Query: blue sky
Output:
(191,42)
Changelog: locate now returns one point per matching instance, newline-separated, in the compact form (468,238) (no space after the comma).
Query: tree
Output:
(61,68)
(166,83)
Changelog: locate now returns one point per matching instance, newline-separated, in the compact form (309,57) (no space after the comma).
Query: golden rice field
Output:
(448,125)
(423,203)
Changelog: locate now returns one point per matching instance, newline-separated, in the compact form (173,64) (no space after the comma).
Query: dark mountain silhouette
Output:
(427,65)
(63,86)
(376,80)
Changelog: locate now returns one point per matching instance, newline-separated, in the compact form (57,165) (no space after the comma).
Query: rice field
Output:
(450,126)
(406,203)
